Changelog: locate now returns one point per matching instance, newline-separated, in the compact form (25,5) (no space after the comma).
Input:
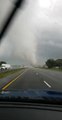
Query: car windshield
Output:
(31,45)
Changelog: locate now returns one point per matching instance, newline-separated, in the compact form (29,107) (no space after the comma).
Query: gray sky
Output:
(35,33)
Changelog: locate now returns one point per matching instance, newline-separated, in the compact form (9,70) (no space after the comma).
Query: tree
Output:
(50,63)
(54,63)
(58,62)
(2,62)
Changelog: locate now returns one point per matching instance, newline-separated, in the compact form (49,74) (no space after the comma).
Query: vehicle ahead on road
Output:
(5,67)
(2,68)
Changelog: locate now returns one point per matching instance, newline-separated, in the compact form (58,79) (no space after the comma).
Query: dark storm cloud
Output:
(49,44)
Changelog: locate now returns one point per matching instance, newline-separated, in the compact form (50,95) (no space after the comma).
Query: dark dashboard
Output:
(31,105)
(24,111)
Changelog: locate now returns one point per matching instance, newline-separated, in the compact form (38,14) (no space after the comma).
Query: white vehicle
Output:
(6,66)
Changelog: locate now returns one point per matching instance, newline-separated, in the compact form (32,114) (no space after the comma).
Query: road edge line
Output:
(9,83)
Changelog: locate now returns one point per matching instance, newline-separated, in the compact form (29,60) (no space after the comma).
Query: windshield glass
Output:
(31,48)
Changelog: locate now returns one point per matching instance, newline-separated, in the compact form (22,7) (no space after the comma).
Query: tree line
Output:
(54,63)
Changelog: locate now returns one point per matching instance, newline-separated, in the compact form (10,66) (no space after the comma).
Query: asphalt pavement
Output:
(33,78)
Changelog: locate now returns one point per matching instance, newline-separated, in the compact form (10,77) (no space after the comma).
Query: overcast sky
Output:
(35,33)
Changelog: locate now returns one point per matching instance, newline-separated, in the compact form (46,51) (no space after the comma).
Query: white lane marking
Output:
(47,84)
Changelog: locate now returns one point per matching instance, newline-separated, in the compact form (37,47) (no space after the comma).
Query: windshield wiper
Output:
(17,4)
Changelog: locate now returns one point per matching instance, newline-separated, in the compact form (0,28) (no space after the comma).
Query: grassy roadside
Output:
(56,69)
(6,73)
(53,69)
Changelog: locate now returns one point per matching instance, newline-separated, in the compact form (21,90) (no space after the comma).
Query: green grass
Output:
(53,69)
(6,73)
(57,69)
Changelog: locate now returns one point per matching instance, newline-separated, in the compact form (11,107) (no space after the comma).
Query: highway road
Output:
(33,78)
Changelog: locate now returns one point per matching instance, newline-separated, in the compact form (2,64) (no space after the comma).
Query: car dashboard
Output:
(31,105)
(30,111)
